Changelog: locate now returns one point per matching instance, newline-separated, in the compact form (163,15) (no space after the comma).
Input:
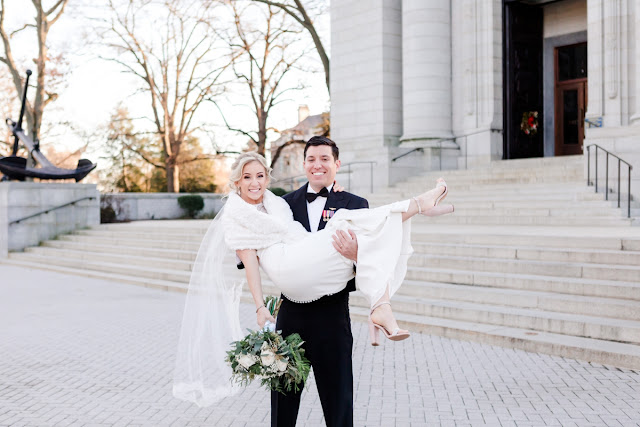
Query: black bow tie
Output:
(322,193)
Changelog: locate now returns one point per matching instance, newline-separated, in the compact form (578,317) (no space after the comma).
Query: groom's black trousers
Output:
(325,327)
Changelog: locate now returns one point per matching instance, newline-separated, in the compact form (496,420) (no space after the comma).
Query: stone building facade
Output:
(452,79)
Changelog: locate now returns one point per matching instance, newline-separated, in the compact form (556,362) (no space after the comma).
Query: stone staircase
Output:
(531,259)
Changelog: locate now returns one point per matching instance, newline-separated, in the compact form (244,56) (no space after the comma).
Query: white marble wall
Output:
(21,199)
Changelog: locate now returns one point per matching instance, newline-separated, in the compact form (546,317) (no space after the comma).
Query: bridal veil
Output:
(210,323)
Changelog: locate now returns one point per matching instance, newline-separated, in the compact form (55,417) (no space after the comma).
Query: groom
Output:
(323,324)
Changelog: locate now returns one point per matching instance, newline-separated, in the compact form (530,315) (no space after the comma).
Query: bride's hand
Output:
(337,187)
(264,316)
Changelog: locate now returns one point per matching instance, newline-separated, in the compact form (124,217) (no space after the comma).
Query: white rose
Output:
(246,360)
(281,364)
(267,355)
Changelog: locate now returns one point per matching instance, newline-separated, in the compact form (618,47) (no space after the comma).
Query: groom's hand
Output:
(346,244)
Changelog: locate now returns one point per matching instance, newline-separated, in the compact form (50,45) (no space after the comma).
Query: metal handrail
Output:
(606,189)
(420,149)
(17,221)
(292,179)
(454,139)
(370,163)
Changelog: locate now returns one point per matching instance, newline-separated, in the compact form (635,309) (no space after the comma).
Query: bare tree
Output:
(170,46)
(262,53)
(45,18)
(296,9)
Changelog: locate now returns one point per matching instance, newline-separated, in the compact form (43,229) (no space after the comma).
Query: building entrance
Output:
(570,98)
(522,73)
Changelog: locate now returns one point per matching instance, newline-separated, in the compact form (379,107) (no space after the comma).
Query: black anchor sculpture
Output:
(15,167)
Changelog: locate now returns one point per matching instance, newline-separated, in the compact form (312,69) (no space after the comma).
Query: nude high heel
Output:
(436,210)
(374,329)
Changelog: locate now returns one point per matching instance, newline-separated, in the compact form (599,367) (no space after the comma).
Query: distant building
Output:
(464,82)
(289,148)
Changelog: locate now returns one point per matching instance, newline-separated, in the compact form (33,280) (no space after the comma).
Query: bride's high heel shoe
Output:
(436,210)
(374,329)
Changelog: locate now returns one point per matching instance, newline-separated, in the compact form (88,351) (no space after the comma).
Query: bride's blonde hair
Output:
(239,164)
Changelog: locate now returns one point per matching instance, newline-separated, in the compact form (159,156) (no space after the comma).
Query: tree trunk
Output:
(173,177)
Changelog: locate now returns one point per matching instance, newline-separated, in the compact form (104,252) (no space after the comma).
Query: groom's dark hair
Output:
(322,140)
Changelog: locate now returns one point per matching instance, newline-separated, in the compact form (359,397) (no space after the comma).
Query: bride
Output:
(260,228)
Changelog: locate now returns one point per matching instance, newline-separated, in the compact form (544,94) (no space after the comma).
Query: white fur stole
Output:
(245,227)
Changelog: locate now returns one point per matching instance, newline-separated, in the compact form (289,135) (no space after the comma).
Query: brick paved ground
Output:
(81,352)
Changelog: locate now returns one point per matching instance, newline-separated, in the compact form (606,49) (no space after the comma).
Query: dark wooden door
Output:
(570,98)
(522,78)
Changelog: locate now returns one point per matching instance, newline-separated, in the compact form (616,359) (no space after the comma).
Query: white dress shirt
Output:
(315,208)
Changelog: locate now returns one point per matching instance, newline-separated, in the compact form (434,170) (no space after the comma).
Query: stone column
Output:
(612,63)
(595,72)
(426,70)
(635,119)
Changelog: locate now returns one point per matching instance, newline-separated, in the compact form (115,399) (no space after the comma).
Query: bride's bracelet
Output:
(259,308)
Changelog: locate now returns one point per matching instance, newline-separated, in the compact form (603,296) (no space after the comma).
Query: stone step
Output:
(124,241)
(604,256)
(526,204)
(626,273)
(477,294)
(587,349)
(616,221)
(163,285)
(592,350)
(573,212)
(181,276)
(569,237)
(508,263)
(571,324)
(546,301)
(199,226)
(86,246)
(533,199)
(148,235)
(533,177)
(423,231)
(569,255)
(499,191)
(119,259)
(532,282)
(617,330)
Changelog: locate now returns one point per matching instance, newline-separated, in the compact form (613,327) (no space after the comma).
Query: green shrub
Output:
(107,214)
(193,203)
(278,191)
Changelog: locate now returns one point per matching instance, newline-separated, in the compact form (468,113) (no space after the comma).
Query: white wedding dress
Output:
(304,266)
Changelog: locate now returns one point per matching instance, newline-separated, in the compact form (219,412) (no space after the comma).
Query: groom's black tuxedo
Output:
(325,327)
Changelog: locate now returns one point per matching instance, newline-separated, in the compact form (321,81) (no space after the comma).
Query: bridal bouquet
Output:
(278,362)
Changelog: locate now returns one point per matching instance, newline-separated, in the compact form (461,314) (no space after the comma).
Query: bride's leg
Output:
(427,202)
(383,315)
